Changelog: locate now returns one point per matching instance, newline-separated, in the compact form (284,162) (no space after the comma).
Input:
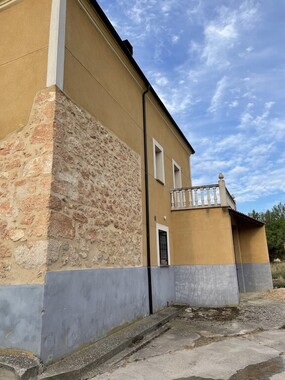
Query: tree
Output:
(274,220)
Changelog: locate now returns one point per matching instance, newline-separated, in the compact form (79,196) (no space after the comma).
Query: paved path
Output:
(244,343)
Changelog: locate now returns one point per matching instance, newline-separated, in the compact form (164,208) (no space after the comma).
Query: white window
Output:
(177,180)
(158,159)
(162,240)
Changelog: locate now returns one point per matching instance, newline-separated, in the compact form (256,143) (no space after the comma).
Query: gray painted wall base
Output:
(163,287)
(83,305)
(254,277)
(21,309)
(77,307)
(207,285)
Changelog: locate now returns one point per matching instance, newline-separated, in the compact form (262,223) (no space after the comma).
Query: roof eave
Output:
(122,45)
(246,218)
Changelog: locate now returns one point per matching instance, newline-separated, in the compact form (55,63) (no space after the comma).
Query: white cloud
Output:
(223,33)
(246,52)
(218,95)
(140,11)
(247,120)
(178,102)
(277,128)
(159,79)
(218,40)
(260,119)
(175,39)
(233,104)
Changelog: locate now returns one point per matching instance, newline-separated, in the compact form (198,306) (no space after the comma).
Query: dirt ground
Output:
(277,294)
(254,307)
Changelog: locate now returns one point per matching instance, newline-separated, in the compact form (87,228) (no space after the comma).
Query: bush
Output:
(278,274)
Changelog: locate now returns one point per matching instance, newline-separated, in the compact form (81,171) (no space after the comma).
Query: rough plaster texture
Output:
(20,315)
(82,305)
(96,195)
(254,277)
(207,285)
(163,290)
(70,194)
(25,180)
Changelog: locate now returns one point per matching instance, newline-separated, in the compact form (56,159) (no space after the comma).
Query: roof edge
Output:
(246,217)
(122,45)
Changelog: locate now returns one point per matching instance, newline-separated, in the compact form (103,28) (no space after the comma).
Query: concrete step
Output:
(79,364)
(18,365)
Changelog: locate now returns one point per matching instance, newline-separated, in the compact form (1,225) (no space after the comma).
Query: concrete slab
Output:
(214,344)
(274,339)
(219,360)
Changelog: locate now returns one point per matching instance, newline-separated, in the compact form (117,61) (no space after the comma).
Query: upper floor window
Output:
(177,178)
(158,159)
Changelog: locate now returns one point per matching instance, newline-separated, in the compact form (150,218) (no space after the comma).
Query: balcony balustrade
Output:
(216,195)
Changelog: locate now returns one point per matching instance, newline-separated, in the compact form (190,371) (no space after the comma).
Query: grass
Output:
(278,274)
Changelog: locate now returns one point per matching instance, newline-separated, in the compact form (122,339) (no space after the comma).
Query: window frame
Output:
(160,177)
(161,227)
(175,165)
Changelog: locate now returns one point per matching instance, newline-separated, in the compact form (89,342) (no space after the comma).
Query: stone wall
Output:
(70,195)
(96,195)
(25,180)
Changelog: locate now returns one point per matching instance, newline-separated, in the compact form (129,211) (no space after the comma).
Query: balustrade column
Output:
(195,197)
(202,196)
(223,190)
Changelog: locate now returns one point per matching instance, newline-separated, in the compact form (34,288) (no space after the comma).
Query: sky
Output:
(219,67)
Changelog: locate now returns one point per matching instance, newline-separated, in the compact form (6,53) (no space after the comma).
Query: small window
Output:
(177,180)
(158,162)
(162,245)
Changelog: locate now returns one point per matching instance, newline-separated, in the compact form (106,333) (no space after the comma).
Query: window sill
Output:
(159,181)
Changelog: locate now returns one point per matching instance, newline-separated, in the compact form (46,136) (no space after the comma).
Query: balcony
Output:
(216,195)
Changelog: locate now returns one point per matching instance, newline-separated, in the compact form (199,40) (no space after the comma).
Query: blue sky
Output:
(219,67)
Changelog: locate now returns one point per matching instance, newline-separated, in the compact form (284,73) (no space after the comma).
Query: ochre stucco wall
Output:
(96,78)
(163,132)
(101,79)
(24,36)
(202,237)
(253,245)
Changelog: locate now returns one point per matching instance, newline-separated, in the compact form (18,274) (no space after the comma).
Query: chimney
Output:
(128,46)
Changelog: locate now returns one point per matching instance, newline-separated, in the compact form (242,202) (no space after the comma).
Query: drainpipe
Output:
(147,201)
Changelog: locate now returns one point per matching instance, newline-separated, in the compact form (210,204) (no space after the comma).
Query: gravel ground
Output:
(257,311)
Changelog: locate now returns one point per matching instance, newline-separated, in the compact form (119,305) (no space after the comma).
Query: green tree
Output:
(274,220)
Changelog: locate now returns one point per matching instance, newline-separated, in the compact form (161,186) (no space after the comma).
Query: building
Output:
(99,222)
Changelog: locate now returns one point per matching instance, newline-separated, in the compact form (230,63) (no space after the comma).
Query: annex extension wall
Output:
(205,271)
(253,266)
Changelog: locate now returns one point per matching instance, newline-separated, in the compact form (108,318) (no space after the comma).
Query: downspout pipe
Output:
(147,201)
